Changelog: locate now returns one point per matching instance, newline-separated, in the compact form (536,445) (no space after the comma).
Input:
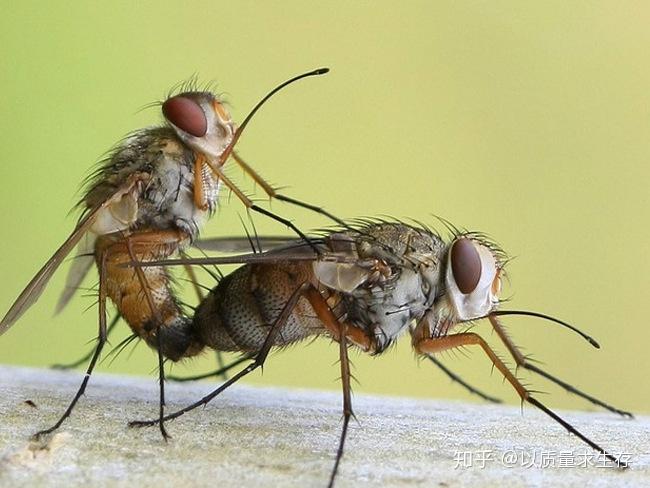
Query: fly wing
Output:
(338,267)
(293,251)
(81,264)
(245,244)
(345,277)
(342,276)
(35,288)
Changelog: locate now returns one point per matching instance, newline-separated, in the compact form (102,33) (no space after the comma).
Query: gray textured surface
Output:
(275,437)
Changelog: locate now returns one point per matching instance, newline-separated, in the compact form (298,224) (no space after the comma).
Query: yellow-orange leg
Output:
(216,166)
(101,340)
(521,361)
(248,169)
(272,193)
(347,397)
(353,333)
(219,174)
(341,332)
(438,344)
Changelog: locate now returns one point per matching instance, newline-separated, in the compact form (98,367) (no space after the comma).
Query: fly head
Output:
(201,121)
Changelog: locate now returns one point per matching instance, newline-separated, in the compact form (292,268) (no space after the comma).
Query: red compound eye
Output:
(186,114)
(465,265)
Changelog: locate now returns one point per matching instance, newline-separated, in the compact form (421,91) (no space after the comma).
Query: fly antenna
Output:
(586,337)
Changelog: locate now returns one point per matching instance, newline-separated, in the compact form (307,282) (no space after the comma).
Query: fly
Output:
(367,287)
(148,201)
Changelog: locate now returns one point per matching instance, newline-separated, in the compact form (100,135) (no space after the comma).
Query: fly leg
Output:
(454,377)
(221,372)
(90,353)
(260,358)
(219,174)
(341,332)
(434,345)
(216,166)
(101,340)
(347,400)
(161,360)
(272,193)
(521,361)
(194,280)
(354,334)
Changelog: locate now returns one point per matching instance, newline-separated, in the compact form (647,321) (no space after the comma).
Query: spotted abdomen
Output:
(240,310)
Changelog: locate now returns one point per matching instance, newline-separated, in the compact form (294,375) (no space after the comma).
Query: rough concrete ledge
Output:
(253,436)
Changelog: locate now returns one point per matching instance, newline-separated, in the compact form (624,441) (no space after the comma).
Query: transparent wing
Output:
(293,251)
(35,287)
(238,244)
(79,269)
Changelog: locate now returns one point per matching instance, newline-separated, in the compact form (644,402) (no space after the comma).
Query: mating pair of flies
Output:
(363,285)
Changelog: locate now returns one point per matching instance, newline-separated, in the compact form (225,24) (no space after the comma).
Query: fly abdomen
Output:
(177,340)
(219,317)
(238,313)
(144,296)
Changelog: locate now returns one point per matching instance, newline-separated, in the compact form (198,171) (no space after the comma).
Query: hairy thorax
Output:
(164,196)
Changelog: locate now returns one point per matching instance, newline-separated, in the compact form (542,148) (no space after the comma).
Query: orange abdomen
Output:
(143,296)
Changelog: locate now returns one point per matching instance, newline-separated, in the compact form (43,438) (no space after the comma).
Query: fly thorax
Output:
(170,199)
(430,275)
(394,306)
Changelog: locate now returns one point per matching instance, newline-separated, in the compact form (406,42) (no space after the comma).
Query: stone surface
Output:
(253,436)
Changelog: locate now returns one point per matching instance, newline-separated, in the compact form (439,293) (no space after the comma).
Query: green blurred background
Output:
(527,120)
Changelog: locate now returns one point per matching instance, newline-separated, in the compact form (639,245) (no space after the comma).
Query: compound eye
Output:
(186,114)
(465,265)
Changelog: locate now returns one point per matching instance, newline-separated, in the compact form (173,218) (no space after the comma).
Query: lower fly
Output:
(368,286)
